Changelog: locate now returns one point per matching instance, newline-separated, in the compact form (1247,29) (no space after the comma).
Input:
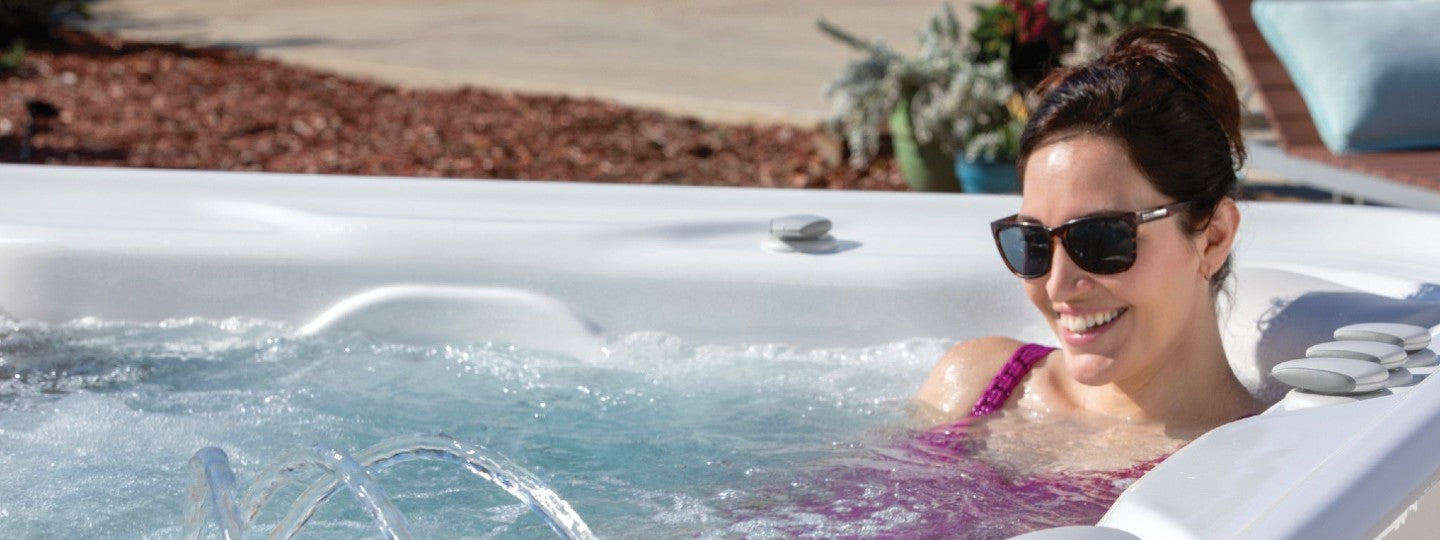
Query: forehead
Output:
(1083,175)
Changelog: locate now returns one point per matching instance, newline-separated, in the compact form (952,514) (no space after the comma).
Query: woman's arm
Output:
(960,377)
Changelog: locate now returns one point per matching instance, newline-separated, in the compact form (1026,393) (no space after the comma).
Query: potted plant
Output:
(879,91)
(953,110)
(979,116)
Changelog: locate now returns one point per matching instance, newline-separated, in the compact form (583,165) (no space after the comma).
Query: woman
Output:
(1123,243)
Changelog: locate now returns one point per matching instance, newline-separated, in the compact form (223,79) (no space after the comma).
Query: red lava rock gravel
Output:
(151,105)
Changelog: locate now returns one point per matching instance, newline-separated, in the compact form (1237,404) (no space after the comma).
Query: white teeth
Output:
(1080,323)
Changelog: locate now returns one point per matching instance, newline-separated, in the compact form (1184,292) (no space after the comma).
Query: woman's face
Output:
(1150,307)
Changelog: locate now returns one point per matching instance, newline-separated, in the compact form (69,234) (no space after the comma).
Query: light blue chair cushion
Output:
(1369,70)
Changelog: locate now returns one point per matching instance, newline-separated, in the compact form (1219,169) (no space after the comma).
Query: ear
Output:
(1219,235)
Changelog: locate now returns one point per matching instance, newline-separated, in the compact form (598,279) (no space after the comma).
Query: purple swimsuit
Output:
(931,485)
(1014,504)
(949,439)
(1009,377)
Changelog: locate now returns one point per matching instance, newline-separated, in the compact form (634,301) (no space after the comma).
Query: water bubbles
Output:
(610,432)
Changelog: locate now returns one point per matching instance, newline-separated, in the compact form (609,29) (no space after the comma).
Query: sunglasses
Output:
(1100,244)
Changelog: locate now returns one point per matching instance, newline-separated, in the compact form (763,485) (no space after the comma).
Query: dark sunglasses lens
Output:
(1026,249)
(1102,245)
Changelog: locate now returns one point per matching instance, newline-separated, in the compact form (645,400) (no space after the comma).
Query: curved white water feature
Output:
(214,486)
(511,261)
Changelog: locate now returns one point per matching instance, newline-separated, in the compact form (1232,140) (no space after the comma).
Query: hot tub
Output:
(557,267)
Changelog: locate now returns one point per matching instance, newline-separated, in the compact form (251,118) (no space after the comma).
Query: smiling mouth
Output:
(1084,324)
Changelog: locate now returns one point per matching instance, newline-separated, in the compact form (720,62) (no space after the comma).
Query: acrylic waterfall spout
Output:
(213,487)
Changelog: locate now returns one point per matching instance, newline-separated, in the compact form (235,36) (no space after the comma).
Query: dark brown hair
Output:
(1165,97)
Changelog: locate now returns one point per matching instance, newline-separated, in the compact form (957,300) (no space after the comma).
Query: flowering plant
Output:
(1022,34)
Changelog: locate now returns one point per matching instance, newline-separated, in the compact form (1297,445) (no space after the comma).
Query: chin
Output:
(1090,369)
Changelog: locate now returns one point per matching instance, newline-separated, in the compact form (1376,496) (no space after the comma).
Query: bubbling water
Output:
(655,437)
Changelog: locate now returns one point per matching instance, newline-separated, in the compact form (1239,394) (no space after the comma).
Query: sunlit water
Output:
(654,438)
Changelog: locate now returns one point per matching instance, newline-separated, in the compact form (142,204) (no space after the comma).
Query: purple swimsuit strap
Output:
(1009,377)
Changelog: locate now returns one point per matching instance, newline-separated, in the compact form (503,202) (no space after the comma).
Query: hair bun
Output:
(1189,62)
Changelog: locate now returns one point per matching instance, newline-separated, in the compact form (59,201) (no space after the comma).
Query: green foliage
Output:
(1096,19)
(979,112)
(10,61)
(993,31)
(1023,34)
(867,91)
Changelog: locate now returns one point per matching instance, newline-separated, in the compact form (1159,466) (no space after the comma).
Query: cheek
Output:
(1142,293)
(1035,290)
(1163,283)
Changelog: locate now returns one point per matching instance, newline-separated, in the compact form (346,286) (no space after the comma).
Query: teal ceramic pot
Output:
(985,176)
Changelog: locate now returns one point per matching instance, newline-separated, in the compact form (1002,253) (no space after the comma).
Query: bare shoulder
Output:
(960,376)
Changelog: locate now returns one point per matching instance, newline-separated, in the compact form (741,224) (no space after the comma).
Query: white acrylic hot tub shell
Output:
(144,245)
(548,265)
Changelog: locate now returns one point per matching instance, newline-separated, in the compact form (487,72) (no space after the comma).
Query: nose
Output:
(1065,280)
